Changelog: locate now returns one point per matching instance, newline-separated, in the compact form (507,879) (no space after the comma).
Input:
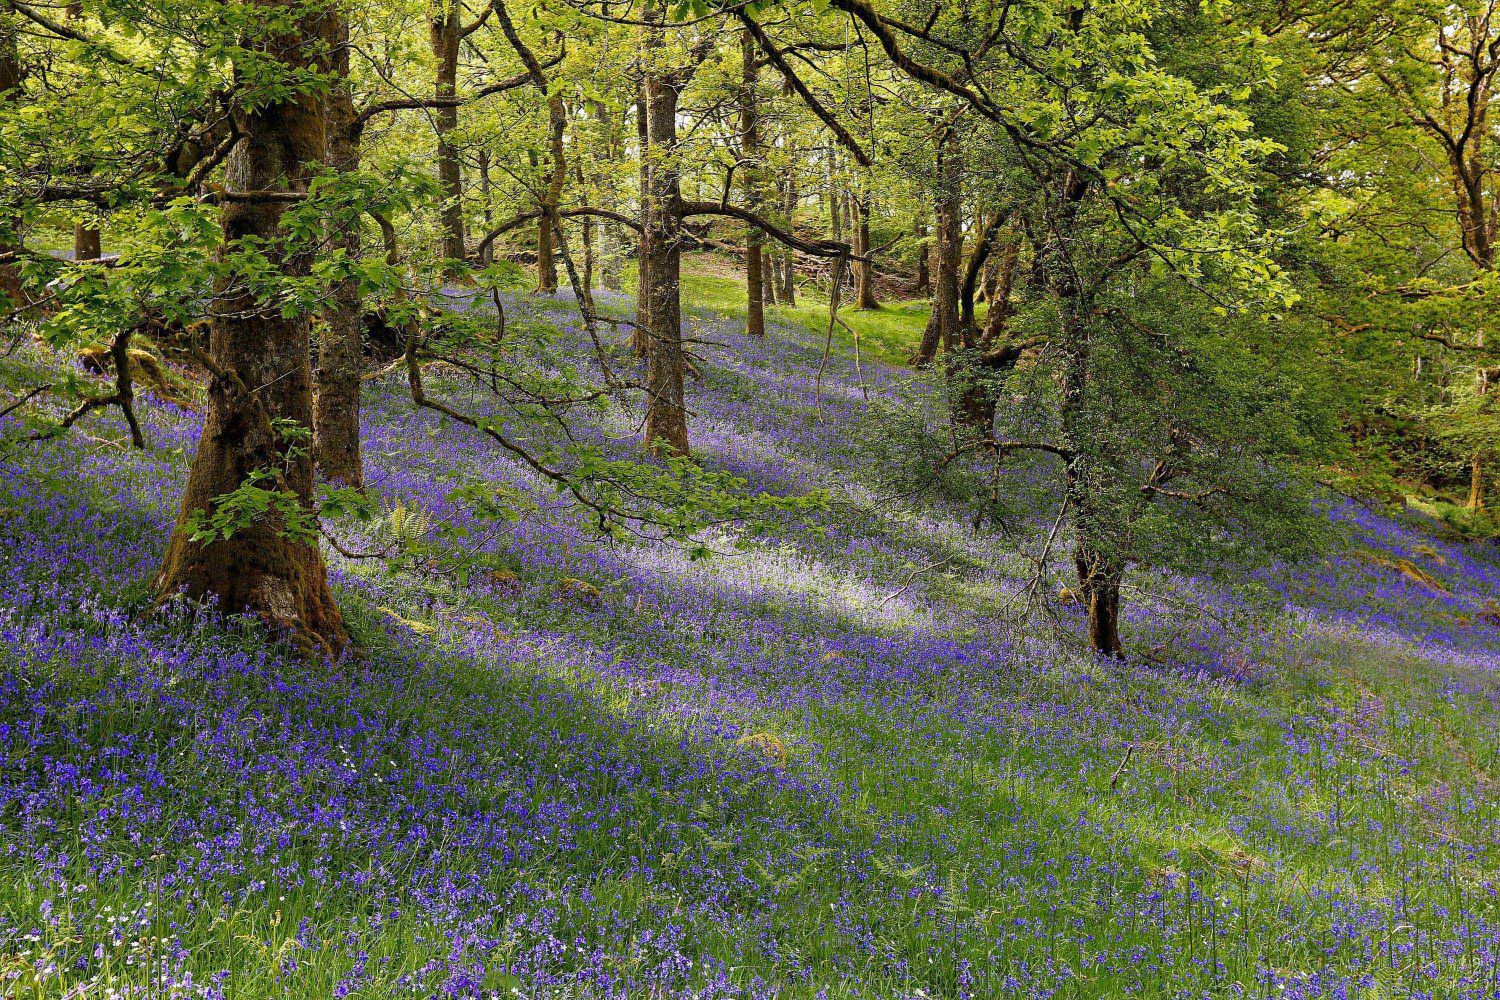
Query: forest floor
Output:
(596,769)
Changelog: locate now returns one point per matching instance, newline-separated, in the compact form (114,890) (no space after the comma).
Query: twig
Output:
(1114,779)
(912,578)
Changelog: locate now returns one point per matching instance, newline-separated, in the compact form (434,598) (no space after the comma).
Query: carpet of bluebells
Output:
(602,769)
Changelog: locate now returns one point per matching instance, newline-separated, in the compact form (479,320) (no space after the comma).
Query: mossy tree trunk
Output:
(666,406)
(446,33)
(1099,580)
(262,376)
(943,321)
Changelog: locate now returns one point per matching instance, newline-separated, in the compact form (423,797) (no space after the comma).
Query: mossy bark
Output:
(262,376)
(943,321)
(666,407)
(445,31)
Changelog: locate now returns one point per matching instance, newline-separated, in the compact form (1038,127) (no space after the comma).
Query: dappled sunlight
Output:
(605,766)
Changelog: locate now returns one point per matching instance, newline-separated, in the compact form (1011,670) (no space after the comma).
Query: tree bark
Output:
(86,238)
(446,35)
(864,271)
(340,350)
(546,260)
(262,376)
(641,335)
(610,252)
(589,230)
(923,284)
(835,199)
(1101,566)
(750,156)
(788,286)
(12,77)
(942,322)
(486,203)
(990,355)
(666,404)
(86,242)
(1099,579)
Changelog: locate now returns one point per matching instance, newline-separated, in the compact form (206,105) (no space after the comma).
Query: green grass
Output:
(1082,810)
(889,334)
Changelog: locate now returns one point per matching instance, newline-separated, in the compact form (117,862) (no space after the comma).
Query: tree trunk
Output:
(942,322)
(923,284)
(486,202)
(1475,502)
(641,336)
(1101,566)
(446,34)
(835,199)
(86,242)
(666,404)
(588,252)
(546,260)
(610,264)
(788,286)
(340,351)
(991,356)
(864,272)
(263,381)
(12,76)
(750,156)
(1099,579)
(610,243)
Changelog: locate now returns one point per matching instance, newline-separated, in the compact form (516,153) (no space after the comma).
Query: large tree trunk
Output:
(446,34)
(943,321)
(750,156)
(263,379)
(666,404)
(340,351)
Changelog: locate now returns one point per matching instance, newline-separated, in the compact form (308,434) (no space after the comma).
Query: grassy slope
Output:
(692,790)
(888,334)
